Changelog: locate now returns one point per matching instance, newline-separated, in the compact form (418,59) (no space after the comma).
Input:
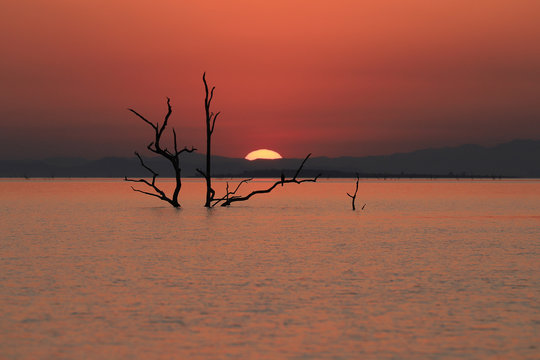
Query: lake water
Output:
(429,269)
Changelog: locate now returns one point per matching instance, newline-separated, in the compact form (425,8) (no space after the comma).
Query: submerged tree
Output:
(353,197)
(173,156)
(210,123)
(230,196)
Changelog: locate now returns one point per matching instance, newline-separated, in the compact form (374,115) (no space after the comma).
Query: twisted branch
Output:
(229,193)
(281,182)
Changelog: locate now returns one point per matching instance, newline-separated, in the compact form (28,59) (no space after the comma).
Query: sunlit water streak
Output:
(430,269)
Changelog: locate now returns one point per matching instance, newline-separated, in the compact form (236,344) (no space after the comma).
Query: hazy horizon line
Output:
(96,158)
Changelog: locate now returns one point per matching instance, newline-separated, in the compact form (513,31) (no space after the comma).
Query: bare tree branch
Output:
(146,167)
(175,142)
(144,119)
(206,88)
(301,166)
(203,174)
(169,112)
(214,122)
(282,181)
(160,194)
(147,193)
(211,94)
(229,193)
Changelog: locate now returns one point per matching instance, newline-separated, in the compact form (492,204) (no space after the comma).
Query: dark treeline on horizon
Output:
(275,174)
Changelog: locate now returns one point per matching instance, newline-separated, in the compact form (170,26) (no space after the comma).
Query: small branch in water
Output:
(353,197)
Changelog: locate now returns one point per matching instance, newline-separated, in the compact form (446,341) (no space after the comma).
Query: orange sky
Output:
(333,78)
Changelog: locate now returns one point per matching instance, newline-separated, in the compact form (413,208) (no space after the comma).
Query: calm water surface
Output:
(430,269)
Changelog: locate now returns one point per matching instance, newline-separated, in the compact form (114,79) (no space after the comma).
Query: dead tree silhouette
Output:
(210,124)
(353,197)
(230,196)
(172,156)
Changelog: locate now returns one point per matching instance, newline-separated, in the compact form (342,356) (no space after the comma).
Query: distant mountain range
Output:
(518,158)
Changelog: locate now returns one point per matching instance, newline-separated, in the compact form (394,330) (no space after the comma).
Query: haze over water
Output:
(430,269)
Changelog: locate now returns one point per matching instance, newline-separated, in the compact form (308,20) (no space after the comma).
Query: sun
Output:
(263,154)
